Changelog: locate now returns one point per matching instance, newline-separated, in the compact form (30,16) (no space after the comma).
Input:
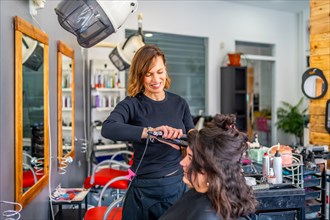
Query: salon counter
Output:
(287,202)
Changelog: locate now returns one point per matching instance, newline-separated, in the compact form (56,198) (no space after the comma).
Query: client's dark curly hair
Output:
(217,149)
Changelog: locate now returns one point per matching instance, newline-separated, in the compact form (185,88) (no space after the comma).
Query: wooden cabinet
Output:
(234,94)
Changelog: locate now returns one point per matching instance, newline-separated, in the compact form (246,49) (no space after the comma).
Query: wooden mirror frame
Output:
(23,27)
(63,49)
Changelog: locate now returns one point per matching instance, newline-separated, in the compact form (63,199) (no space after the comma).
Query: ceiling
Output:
(293,6)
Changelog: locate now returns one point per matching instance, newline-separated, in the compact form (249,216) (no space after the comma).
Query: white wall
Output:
(226,22)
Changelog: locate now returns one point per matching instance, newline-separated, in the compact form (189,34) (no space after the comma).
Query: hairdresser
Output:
(157,181)
(212,170)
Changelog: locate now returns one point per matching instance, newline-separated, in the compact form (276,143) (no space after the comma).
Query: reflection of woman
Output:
(212,170)
(158,174)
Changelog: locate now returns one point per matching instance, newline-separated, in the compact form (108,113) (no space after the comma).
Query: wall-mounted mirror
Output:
(327,116)
(65,113)
(31,110)
(314,83)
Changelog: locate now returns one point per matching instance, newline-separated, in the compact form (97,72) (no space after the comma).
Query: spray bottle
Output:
(277,165)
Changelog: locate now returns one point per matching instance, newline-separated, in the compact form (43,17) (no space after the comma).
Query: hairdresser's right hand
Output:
(168,132)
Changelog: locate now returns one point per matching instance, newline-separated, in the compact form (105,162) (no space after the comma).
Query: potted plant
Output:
(290,119)
(236,58)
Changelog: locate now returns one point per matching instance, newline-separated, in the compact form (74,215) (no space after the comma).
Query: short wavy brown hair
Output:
(142,62)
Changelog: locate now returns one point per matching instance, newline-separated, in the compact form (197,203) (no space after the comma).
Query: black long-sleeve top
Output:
(130,116)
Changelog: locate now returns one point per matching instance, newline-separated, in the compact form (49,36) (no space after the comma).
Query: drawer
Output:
(312,193)
(312,205)
(311,181)
(277,215)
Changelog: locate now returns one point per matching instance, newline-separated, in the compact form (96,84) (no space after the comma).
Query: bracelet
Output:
(148,129)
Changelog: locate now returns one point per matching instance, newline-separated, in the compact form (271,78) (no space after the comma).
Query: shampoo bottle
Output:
(277,165)
(265,165)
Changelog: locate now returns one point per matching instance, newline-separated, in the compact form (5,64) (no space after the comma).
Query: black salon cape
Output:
(194,206)
(191,206)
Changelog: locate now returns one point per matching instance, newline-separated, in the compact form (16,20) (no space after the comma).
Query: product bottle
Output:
(265,165)
(271,177)
(277,165)
(116,80)
(97,101)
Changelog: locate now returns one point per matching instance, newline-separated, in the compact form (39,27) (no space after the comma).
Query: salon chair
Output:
(31,175)
(102,175)
(113,211)
(106,171)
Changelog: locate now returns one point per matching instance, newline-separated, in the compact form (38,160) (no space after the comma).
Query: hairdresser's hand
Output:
(176,147)
(169,132)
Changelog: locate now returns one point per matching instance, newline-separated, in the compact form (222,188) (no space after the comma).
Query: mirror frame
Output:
(314,72)
(24,27)
(63,49)
(327,116)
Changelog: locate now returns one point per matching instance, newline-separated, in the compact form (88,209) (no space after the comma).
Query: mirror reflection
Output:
(65,102)
(31,110)
(314,84)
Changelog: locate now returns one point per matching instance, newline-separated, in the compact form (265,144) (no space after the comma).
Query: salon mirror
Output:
(31,111)
(65,87)
(314,83)
(327,116)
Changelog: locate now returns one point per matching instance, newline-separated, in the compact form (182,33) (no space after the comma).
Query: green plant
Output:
(291,119)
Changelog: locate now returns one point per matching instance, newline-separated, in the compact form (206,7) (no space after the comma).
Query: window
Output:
(186,62)
(255,48)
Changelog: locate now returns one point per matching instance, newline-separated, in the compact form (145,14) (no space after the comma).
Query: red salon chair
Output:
(111,212)
(101,176)
(31,174)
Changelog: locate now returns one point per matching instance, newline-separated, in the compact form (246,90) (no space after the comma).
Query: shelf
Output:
(109,147)
(66,90)
(312,182)
(104,93)
(110,89)
(66,147)
(312,206)
(312,193)
(66,128)
(103,109)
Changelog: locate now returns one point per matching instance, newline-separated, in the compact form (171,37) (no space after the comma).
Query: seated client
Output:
(213,172)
